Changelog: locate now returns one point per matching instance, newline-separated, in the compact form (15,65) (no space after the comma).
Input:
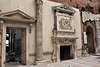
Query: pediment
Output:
(64,9)
(18,14)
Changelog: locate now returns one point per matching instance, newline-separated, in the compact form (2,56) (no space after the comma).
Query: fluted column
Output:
(39,31)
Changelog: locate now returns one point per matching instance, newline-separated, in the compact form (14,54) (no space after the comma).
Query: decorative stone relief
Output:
(65,7)
(65,24)
(65,34)
(67,41)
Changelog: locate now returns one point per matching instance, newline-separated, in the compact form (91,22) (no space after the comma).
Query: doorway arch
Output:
(90,39)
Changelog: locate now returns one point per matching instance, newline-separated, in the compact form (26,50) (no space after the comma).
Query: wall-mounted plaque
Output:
(65,22)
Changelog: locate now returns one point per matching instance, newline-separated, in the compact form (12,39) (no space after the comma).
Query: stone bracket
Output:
(30,28)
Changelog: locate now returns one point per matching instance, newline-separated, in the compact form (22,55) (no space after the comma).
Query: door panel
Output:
(23,46)
(90,40)
(90,43)
(0,42)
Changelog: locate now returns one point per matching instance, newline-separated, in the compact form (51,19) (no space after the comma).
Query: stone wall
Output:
(93,5)
(28,7)
(97,18)
(48,26)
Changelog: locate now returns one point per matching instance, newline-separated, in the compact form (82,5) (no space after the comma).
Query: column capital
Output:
(39,2)
(1,22)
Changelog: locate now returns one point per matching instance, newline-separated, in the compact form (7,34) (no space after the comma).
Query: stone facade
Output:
(85,30)
(87,5)
(88,23)
(97,18)
(90,7)
(45,26)
(64,32)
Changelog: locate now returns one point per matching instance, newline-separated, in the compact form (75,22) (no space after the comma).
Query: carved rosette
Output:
(65,23)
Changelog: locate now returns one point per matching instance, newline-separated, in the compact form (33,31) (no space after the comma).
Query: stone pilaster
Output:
(39,32)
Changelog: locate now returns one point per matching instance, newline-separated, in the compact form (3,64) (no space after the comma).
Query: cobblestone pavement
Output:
(91,61)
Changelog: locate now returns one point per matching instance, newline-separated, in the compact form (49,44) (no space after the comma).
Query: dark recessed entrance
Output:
(13,44)
(90,40)
(65,53)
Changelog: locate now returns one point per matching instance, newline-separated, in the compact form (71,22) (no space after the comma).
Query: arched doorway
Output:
(90,39)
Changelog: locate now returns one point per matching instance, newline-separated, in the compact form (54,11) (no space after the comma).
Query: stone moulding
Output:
(17,20)
(64,9)
(64,34)
(57,31)
(17,16)
(66,37)
(63,40)
(10,16)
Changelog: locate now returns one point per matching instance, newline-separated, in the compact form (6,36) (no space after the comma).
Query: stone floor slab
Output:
(91,61)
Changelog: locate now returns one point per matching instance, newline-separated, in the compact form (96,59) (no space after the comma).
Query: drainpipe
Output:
(39,32)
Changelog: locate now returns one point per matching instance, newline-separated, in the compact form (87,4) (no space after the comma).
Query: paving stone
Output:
(92,61)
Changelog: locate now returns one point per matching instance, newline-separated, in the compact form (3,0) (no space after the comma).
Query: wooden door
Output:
(90,43)
(0,43)
(90,40)
(23,46)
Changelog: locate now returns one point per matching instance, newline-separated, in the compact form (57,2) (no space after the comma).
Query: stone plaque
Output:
(65,23)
